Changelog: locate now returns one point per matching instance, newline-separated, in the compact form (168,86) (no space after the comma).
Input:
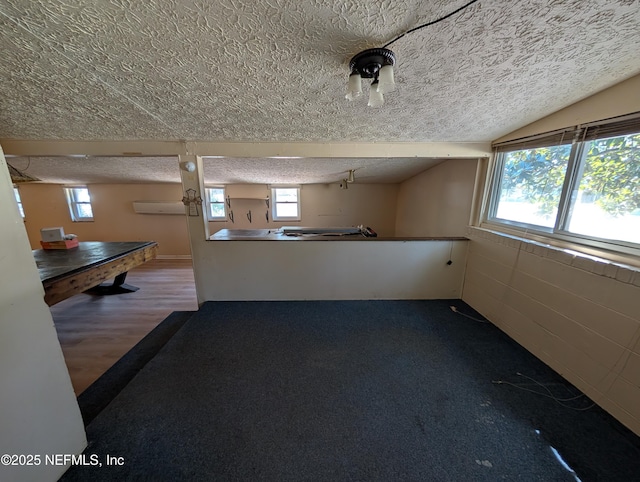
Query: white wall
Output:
(437,202)
(323,205)
(38,410)
(330,269)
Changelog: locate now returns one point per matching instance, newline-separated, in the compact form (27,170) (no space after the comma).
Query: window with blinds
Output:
(581,182)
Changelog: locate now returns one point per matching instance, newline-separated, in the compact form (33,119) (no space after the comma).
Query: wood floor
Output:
(95,331)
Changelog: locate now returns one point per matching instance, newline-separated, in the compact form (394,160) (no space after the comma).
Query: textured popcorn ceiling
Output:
(109,170)
(261,71)
(118,170)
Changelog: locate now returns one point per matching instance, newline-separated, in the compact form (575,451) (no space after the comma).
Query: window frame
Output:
(274,204)
(494,195)
(581,136)
(209,203)
(73,203)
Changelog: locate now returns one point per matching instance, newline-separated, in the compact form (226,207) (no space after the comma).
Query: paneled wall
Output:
(578,314)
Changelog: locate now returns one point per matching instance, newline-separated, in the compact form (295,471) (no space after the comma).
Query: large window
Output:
(215,204)
(531,185)
(286,203)
(587,189)
(606,197)
(79,201)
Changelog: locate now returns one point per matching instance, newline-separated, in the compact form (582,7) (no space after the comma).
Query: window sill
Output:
(622,268)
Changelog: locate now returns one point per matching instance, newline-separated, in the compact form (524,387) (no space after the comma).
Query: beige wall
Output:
(622,98)
(367,269)
(114,219)
(437,202)
(323,205)
(412,208)
(578,314)
(38,409)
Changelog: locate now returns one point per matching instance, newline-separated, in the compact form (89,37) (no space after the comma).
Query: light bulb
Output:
(354,87)
(376,99)
(386,83)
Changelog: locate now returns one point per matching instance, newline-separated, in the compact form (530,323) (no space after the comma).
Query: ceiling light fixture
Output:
(351,178)
(188,166)
(377,64)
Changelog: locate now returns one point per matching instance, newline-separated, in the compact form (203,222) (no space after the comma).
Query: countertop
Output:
(277,235)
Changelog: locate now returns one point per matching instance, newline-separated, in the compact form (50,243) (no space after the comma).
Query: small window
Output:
(16,193)
(79,202)
(286,203)
(215,204)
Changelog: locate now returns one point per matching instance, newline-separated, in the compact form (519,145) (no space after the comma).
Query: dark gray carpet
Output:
(350,390)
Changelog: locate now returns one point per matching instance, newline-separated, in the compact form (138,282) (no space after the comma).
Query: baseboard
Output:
(173,256)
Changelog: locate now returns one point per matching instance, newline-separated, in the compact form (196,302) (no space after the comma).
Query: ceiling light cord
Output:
(430,23)
(377,64)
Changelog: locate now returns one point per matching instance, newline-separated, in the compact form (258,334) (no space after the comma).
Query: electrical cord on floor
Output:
(549,394)
(455,310)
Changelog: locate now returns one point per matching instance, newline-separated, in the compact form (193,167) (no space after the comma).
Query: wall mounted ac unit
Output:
(158,207)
